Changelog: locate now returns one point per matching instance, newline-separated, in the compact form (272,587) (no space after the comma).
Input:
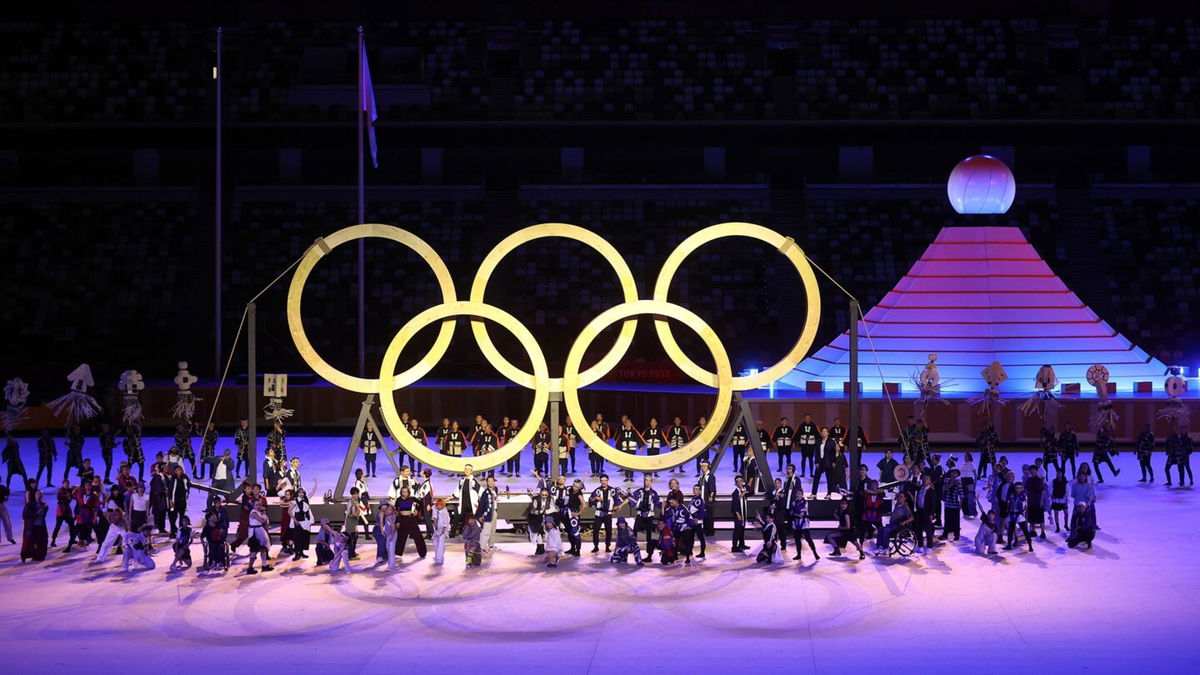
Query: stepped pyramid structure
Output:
(977,295)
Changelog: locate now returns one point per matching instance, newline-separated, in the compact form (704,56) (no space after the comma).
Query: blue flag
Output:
(366,96)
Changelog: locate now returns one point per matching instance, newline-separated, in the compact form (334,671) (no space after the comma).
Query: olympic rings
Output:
(296,291)
(785,245)
(724,376)
(572,379)
(541,388)
(526,235)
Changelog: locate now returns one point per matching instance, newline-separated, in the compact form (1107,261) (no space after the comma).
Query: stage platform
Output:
(1053,610)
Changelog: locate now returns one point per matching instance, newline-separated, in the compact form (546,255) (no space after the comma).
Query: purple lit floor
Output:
(1131,602)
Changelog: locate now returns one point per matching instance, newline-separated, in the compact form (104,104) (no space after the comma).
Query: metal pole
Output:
(362,217)
(251,391)
(852,430)
(218,351)
(555,433)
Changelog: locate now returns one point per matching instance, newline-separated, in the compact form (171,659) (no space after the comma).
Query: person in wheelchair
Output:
(216,554)
(901,518)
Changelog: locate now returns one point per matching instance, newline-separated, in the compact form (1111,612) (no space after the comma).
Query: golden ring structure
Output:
(572,379)
(541,388)
(785,245)
(724,375)
(296,293)
(565,231)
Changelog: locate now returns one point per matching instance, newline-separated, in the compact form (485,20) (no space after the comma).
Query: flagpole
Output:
(218,223)
(362,217)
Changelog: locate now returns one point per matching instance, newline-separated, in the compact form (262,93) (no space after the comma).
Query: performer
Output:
(277,441)
(408,511)
(338,546)
(920,444)
(677,437)
(1049,441)
(554,545)
(241,438)
(678,517)
(654,438)
(424,495)
(64,514)
(540,508)
(74,449)
(415,430)
(704,455)
(456,441)
(355,513)
(301,517)
(629,441)
(782,439)
(1145,448)
(135,549)
(626,545)
(646,506)
(208,447)
(769,553)
(471,547)
(708,490)
(512,465)
(604,501)
(485,442)
(567,443)
(369,444)
(798,515)
(467,494)
(182,547)
(806,437)
(1102,453)
(47,453)
(1035,491)
(822,459)
(487,512)
(443,433)
(541,449)
(441,530)
(574,529)
(1018,503)
(1068,445)
(985,538)
(12,460)
(178,488)
(108,441)
(33,535)
(952,498)
(1183,455)
(987,441)
(845,533)
(604,431)
(698,508)
(739,441)
(738,504)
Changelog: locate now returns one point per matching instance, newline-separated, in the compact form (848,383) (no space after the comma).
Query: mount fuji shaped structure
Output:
(977,295)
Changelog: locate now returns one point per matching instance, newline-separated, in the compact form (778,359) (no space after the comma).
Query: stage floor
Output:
(1131,602)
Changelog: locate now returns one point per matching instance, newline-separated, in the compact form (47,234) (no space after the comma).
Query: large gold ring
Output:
(575,233)
(296,291)
(723,377)
(785,245)
(541,385)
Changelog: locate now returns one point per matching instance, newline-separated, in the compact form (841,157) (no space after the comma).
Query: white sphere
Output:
(981,184)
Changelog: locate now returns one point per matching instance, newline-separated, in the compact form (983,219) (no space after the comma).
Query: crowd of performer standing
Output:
(124,512)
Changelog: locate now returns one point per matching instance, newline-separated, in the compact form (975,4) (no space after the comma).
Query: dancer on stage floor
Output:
(208,448)
(604,501)
(74,449)
(12,460)
(845,534)
(108,440)
(1183,457)
(408,517)
(739,507)
(1068,448)
(629,441)
(260,542)
(47,453)
(952,499)
(887,468)
(181,547)
(179,488)
(1103,451)
(472,547)
(455,441)
(131,445)
(800,526)
(440,436)
(626,545)
(783,437)
(241,439)
(646,505)
(540,506)
(708,489)
(568,442)
(136,549)
(485,442)
(286,499)
(440,530)
(512,466)
(1018,516)
(604,431)
(683,528)
(926,507)
(769,553)
(33,536)
(487,512)
(5,518)
(986,536)
(822,461)
(137,507)
(337,549)
(221,472)
(1144,445)
(467,494)
(698,507)
(64,513)
(118,526)
(902,516)
(183,447)
(806,437)
(554,545)
(840,435)
(385,535)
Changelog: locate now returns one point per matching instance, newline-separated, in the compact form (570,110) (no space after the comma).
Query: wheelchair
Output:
(902,543)
(215,556)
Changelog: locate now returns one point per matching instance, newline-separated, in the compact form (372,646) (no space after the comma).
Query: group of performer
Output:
(123,512)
